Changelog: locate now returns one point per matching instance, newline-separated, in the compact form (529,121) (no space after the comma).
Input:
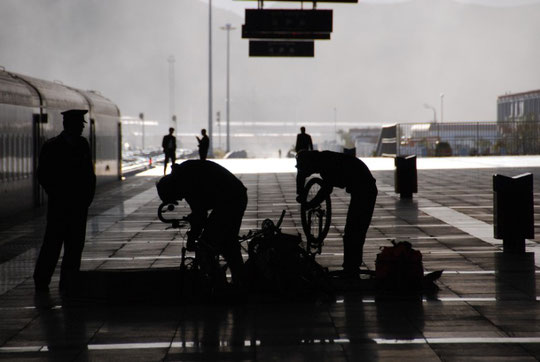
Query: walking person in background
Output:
(303,141)
(204,143)
(66,172)
(169,149)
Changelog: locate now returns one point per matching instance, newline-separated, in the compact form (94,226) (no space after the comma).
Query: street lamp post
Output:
(442,99)
(335,126)
(434,111)
(228,28)
(218,121)
(141,117)
(434,118)
(210,145)
(172,116)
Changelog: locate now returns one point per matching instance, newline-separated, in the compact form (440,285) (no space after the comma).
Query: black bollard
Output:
(405,178)
(513,211)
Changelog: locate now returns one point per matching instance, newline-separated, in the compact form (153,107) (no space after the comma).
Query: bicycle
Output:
(316,215)
(276,262)
(204,273)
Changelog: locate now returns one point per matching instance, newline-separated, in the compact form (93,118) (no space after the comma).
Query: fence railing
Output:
(461,139)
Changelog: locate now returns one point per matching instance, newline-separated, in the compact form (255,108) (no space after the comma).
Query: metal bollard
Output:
(405,176)
(513,211)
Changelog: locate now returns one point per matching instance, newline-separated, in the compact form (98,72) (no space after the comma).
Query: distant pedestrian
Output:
(66,172)
(204,143)
(169,149)
(303,141)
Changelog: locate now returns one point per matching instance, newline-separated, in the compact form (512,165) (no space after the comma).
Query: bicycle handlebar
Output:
(170,206)
(165,207)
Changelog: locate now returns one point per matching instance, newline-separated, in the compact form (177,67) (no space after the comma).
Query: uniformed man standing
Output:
(66,173)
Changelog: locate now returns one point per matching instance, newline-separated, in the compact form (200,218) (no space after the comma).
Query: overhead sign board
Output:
(316,1)
(246,34)
(288,21)
(270,48)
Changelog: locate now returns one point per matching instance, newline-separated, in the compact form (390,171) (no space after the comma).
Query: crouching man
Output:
(343,171)
(206,186)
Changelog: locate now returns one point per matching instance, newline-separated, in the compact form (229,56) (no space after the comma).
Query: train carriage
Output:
(30,113)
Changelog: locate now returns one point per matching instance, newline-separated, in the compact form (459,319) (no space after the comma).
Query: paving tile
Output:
(479,295)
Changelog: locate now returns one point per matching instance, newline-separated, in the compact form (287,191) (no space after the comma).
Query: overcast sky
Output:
(382,64)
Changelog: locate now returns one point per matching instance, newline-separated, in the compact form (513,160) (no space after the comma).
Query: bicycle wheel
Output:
(315,220)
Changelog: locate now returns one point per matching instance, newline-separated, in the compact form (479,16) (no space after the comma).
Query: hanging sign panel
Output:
(288,20)
(270,48)
(246,34)
(317,1)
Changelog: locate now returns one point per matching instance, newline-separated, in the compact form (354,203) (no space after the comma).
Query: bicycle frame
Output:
(313,214)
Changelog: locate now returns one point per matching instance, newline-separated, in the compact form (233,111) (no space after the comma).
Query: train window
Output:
(14,157)
(17,157)
(2,161)
(30,155)
(23,156)
(6,157)
(20,157)
(12,151)
(9,156)
(27,156)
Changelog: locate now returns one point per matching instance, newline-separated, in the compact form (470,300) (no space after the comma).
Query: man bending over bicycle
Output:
(343,171)
(208,186)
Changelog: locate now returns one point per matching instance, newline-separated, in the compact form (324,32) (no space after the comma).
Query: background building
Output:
(523,106)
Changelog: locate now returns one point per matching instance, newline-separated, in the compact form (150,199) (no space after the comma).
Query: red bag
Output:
(399,267)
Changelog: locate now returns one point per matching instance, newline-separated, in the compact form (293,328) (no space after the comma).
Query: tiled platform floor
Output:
(483,311)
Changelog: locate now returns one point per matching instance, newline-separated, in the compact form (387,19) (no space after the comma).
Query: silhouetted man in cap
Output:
(303,141)
(66,173)
(169,149)
(208,186)
(349,172)
(204,143)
